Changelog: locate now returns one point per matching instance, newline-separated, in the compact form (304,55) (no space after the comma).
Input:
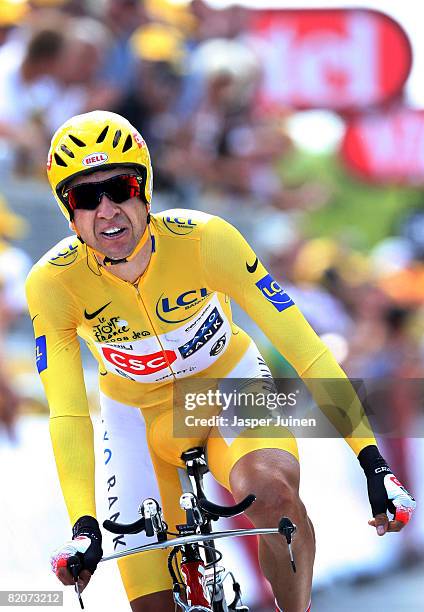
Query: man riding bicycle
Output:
(139,288)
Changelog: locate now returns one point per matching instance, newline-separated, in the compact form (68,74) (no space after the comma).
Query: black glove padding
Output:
(88,527)
(385,492)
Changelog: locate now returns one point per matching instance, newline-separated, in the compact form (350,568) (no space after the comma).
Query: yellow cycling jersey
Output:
(174,322)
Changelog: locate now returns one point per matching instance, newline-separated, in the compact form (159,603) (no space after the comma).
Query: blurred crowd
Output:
(181,74)
(187,76)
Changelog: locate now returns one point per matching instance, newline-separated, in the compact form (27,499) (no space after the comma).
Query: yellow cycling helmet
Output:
(94,141)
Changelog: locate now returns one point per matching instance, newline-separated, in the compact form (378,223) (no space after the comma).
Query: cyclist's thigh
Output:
(156,602)
(227,444)
(132,473)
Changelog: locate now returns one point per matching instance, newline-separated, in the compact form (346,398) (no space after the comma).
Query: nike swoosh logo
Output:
(32,320)
(93,315)
(253,267)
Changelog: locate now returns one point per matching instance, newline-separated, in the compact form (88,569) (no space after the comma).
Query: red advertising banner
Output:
(387,147)
(345,59)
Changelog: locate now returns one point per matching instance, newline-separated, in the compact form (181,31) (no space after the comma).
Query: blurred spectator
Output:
(151,105)
(122,18)
(232,147)
(169,13)
(81,86)
(401,276)
(14,267)
(28,83)
(11,14)
(223,23)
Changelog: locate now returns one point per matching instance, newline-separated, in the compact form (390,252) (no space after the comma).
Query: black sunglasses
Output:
(87,196)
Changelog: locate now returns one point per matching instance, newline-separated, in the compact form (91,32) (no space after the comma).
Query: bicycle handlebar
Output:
(120,528)
(217,511)
(214,510)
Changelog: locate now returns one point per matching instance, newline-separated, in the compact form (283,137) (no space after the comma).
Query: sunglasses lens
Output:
(87,196)
(122,188)
(83,196)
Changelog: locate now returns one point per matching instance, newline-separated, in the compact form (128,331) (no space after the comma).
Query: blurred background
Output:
(303,125)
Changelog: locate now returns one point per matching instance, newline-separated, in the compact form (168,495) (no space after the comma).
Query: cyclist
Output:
(149,294)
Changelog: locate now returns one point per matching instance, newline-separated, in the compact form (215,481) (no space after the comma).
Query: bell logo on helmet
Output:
(95,159)
(139,140)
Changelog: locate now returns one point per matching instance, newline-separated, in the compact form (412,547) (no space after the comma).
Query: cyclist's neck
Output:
(133,269)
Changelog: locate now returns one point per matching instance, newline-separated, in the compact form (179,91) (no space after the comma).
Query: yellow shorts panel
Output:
(145,573)
(223,454)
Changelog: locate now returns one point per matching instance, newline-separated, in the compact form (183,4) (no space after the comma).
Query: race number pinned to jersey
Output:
(275,294)
(41,353)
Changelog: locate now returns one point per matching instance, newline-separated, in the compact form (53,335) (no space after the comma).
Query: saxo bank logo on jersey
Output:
(181,308)
(207,330)
(275,294)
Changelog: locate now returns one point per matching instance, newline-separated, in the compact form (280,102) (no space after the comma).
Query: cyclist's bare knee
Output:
(273,476)
(155,602)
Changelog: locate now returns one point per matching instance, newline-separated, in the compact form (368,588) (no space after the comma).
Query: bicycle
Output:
(198,581)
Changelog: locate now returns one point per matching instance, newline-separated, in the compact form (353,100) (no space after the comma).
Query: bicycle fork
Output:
(199,586)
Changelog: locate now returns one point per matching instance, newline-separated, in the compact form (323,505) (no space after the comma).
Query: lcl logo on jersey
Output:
(209,328)
(170,311)
(179,225)
(65,257)
(139,364)
(275,294)
(41,353)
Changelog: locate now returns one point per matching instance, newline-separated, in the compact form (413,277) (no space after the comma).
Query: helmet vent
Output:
(116,138)
(68,152)
(102,134)
(77,141)
(127,144)
(60,161)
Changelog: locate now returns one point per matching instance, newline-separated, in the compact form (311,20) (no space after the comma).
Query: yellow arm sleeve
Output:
(227,258)
(59,363)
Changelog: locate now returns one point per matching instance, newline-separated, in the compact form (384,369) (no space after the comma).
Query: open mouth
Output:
(113,232)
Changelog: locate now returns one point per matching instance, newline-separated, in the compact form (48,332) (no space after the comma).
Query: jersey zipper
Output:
(140,298)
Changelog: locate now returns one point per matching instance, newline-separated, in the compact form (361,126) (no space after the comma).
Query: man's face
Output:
(113,229)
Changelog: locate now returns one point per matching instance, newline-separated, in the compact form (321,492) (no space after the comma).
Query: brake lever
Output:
(288,530)
(74,566)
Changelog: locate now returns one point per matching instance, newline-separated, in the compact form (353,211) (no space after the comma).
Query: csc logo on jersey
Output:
(275,294)
(65,257)
(139,364)
(179,225)
(183,307)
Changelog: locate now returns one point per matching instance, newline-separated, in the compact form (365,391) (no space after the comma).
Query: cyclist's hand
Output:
(86,545)
(385,492)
